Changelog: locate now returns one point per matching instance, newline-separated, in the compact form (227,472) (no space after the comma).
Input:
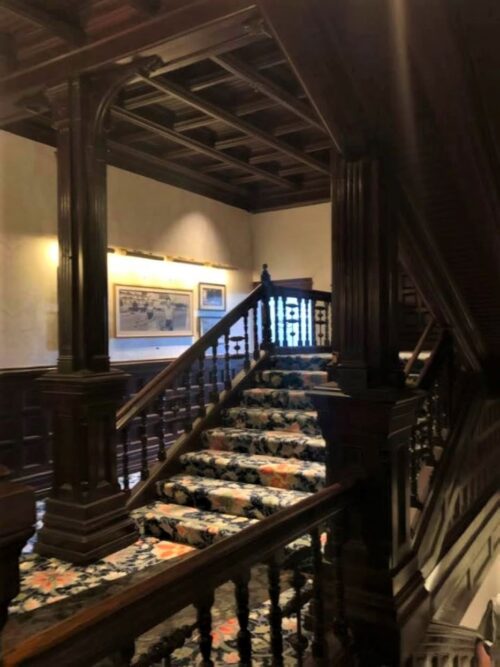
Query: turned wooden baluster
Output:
(247,346)
(313,323)
(320,311)
(255,326)
(285,322)
(176,408)
(266,312)
(204,618)
(318,607)
(143,436)
(299,641)
(276,339)
(227,362)
(214,394)
(308,336)
(295,322)
(334,547)
(301,318)
(188,417)
(161,425)
(125,462)
(328,336)
(275,615)
(202,411)
(243,612)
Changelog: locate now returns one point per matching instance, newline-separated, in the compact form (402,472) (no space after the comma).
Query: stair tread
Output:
(291,436)
(274,471)
(267,397)
(217,495)
(47,580)
(189,525)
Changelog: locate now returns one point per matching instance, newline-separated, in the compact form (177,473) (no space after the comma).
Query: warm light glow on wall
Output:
(139,271)
(52,250)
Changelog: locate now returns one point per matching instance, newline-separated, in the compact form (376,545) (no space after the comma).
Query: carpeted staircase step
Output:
(280,379)
(273,471)
(273,419)
(188,525)
(265,397)
(301,362)
(218,495)
(284,444)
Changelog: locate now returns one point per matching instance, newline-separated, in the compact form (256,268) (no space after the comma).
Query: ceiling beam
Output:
(146,7)
(234,121)
(268,88)
(199,83)
(193,31)
(132,159)
(69,32)
(198,146)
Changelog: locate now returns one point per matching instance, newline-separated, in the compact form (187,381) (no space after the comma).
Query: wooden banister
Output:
(114,622)
(188,396)
(150,391)
(419,347)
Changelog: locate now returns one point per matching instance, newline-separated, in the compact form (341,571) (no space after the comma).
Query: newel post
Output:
(85,517)
(366,417)
(267,341)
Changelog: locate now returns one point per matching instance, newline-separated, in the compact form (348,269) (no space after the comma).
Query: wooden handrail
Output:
(315,295)
(433,362)
(115,621)
(147,394)
(419,347)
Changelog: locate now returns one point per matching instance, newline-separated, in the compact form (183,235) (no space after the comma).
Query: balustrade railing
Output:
(110,627)
(172,405)
(432,429)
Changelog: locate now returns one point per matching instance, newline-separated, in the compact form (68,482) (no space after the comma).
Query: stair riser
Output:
(292,421)
(266,476)
(290,380)
(266,445)
(276,398)
(300,363)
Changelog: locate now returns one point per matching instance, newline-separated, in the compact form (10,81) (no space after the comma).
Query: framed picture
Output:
(212,297)
(152,312)
(206,322)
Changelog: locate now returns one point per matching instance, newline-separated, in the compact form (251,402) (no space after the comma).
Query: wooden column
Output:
(366,417)
(364,275)
(85,514)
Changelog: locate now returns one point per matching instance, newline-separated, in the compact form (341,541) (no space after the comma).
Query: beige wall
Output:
(143,214)
(146,215)
(296,243)
(28,220)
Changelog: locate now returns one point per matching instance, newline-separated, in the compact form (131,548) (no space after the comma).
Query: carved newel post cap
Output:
(265,276)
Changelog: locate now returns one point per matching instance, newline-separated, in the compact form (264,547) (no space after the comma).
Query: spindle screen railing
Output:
(431,432)
(302,543)
(173,404)
(300,319)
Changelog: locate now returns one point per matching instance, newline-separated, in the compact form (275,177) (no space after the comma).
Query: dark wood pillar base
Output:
(17,524)
(86,517)
(387,606)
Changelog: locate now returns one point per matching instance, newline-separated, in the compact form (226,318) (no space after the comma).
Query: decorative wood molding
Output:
(69,32)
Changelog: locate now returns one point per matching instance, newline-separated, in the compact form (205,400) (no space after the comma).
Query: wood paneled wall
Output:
(25,437)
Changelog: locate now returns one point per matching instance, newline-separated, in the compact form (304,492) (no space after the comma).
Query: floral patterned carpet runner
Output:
(267,455)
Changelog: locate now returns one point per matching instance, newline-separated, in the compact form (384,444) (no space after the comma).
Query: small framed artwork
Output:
(153,312)
(206,322)
(212,297)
